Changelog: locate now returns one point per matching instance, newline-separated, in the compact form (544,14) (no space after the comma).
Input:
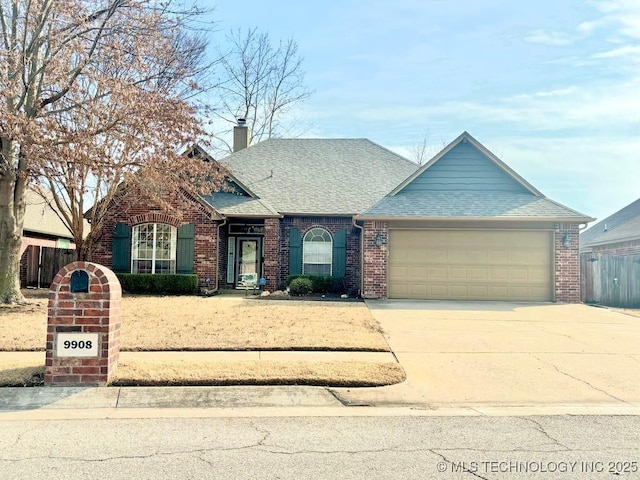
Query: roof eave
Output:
(612,241)
(317,214)
(460,219)
(250,215)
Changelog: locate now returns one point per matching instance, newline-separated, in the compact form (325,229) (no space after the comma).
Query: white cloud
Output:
(625,51)
(549,38)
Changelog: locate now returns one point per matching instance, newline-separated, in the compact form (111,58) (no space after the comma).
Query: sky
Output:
(552,87)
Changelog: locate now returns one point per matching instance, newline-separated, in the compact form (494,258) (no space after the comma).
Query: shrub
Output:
(149,283)
(321,283)
(300,286)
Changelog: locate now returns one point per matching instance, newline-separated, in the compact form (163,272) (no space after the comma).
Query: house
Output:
(47,244)
(618,234)
(610,259)
(463,226)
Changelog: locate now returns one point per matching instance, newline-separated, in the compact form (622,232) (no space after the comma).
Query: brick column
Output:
(567,262)
(271,253)
(374,268)
(83,331)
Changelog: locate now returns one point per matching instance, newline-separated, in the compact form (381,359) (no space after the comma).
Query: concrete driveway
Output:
(507,354)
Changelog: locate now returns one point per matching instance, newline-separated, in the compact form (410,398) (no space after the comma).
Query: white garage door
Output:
(470,265)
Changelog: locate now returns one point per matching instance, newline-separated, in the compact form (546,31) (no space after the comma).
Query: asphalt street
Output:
(323,447)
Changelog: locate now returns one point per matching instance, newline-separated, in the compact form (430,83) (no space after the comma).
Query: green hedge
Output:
(321,283)
(149,283)
(300,286)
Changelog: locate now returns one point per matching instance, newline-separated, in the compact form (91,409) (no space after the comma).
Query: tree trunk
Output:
(10,273)
(12,208)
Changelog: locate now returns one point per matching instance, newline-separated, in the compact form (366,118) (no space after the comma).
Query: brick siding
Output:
(375,260)
(631,247)
(130,209)
(332,225)
(98,312)
(271,253)
(567,263)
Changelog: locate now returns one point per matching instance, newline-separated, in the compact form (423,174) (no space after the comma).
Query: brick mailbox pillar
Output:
(83,331)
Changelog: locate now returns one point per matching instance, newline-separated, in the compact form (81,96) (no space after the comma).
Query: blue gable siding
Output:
(465,168)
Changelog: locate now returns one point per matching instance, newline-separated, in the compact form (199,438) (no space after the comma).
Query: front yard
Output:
(151,323)
(222,323)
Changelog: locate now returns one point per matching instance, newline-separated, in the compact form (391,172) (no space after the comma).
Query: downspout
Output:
(218,254)
(355,224)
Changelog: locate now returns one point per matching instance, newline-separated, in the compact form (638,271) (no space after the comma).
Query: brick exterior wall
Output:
(132,210)
(271,253)
(375,260)
(332,225)
(95,312)
(567,263)
(631,247)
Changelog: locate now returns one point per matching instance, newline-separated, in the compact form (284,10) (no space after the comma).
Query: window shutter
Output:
(295,252)
(340,253)
(121,249)
(185,247)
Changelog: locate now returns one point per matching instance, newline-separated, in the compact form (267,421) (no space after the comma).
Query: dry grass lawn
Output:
(172,373)
(217,323)
(152,323)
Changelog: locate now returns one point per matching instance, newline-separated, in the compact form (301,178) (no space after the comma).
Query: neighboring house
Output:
(463,226)
(47,244)
(610,259)
(618,234)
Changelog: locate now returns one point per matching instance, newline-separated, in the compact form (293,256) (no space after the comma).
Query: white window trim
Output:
(330,242)
(174,244)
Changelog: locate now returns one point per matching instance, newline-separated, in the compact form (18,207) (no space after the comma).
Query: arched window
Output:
(316,252)
(153,248)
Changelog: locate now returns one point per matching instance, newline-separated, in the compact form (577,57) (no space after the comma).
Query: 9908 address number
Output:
(77,344)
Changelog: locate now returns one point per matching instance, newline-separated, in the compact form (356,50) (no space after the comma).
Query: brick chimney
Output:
(241,135)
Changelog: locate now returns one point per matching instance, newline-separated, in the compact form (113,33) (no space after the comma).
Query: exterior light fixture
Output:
(565,240)
(379,241)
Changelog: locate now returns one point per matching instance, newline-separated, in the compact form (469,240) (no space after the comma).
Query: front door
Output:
(248,262)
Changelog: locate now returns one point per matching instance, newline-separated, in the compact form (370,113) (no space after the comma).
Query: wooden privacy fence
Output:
(610,280)
(43,263)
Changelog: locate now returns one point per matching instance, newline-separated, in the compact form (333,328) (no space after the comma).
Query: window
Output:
(316,252)
(154,248)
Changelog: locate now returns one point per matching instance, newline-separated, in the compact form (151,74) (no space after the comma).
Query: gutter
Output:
(580,220)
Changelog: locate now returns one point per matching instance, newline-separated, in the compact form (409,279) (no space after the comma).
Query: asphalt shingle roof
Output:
(453,204)
(622,225)
(319,176)
(231,204)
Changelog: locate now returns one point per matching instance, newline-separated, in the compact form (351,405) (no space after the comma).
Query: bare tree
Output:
(259,82)
(93,94)
(420,151)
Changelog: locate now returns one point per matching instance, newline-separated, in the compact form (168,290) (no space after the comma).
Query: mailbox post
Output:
(83,329)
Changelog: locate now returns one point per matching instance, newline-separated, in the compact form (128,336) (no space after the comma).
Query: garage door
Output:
(470,265)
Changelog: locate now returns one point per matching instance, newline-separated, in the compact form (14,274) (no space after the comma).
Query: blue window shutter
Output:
(185,247)
(121,249)
(295,252)
(340,253)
